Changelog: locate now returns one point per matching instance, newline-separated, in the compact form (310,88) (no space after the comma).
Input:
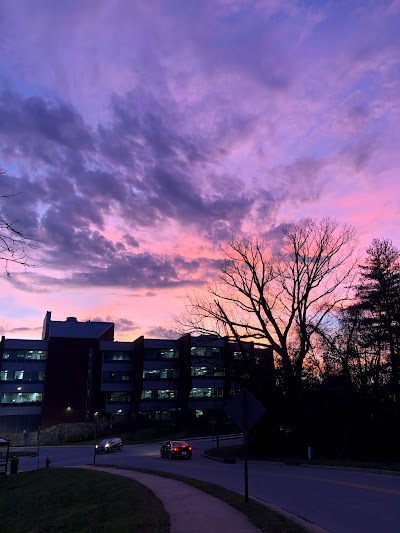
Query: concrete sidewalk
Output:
(190,510)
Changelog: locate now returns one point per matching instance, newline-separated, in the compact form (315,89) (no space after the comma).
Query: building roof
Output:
(25,344)
(72,328)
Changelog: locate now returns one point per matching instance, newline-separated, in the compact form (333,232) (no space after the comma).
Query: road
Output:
(337,500)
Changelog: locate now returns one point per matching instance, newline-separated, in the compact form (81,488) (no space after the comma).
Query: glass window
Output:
(206,351)
(21,398)
(166,394)
(206,392)
(160,353)
(120,397)
(5,375)
(203,392)
(25,355)
(117,356)
(161,373)
(207,371)
(120,376)
(158,394)
(22,376)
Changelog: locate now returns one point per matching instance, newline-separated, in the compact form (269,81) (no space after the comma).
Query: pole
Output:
(38,445)
(95,438)
(246,447)
(246,471)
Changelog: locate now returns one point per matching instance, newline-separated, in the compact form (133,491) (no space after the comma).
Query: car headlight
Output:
(107,445)
(96,446)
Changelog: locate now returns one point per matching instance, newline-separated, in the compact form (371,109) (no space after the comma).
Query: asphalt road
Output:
(337,500)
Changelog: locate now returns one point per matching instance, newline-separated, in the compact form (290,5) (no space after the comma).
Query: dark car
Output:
(175,448)
(113,444)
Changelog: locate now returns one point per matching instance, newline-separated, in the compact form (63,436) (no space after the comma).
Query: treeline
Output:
(351,380)
(331,314)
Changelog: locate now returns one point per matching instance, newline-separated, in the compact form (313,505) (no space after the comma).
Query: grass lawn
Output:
(75,500)
(262,517)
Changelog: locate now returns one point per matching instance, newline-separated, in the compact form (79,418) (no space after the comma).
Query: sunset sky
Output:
(143,134)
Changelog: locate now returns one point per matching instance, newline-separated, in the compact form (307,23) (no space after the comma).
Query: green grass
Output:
(262,517)
(75,500)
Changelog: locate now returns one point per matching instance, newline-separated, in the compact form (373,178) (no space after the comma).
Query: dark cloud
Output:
(121,324)
(24,330)
(131,241)
(142,167)
(37,128)
(360,150)
(133,271)
(159,332)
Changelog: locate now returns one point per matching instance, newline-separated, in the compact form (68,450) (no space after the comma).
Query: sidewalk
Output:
(190,510)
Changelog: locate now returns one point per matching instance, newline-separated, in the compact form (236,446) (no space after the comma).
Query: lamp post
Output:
(96,421)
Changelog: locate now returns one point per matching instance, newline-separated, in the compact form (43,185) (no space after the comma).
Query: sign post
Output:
(38,446)
(26,437)
(96,417)
(245,410)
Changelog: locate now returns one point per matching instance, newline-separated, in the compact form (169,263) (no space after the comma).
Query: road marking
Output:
(336,482)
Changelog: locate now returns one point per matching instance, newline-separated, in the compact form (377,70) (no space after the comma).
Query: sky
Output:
(139,136)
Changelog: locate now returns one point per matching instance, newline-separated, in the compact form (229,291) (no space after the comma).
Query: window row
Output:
(205,351)
(21,398)
(159,394)
(25,355)
(121,376)
(206,392)
(159,353)
(206,371)
(119,397)
(196,392)
(161,373)
(117,356)
(24,376)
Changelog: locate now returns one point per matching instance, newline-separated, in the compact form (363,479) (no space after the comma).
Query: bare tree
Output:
(14,243)
(279,299)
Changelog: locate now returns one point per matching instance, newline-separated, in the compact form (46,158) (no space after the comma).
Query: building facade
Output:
(77,370)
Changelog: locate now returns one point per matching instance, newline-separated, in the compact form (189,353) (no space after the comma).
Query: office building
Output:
(77,369)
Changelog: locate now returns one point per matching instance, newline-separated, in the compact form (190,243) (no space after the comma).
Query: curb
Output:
(309,526)
(229,460)
(304,465)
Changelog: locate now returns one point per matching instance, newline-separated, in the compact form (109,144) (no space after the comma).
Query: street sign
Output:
(245,410)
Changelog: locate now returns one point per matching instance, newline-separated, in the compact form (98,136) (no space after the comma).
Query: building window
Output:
(160,353)
(21,398)
(5,375)
(206,351)
(120,397)
(25,355)
(240,356)
(206,392)
(112,356)
(120,376)
(22,376)
(161,373)
(158,394)
(207,371)
(169,414)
